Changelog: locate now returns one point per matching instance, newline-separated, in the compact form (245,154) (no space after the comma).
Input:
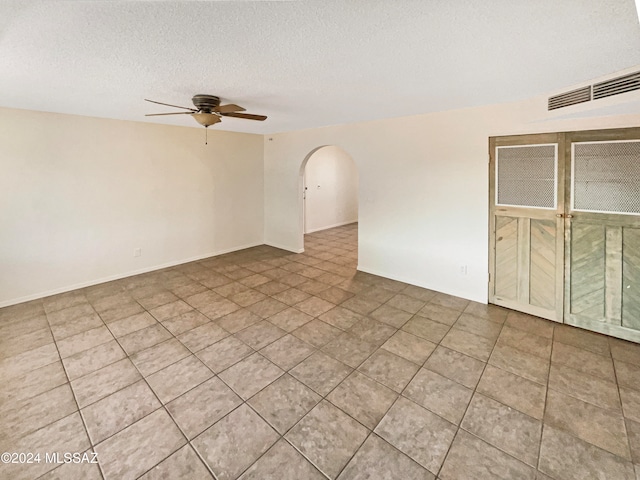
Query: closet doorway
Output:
(565,228)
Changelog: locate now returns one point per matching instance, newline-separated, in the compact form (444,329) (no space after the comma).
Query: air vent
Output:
(573,97)
(627,83)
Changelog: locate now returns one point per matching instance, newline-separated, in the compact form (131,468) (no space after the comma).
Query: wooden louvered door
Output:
(527,227)
(602,236)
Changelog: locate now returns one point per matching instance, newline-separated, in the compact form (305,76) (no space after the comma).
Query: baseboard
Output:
(411,281)
(111,278)
(282,247)
(341,224)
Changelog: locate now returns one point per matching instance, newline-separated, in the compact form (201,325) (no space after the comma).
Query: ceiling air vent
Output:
(626,83)
(573,97)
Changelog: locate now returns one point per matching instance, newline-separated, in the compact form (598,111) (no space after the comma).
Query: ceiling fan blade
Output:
(176,113)
(169,105)
(248,116)
(230,108)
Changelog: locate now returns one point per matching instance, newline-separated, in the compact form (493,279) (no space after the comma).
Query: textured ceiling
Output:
(304,64)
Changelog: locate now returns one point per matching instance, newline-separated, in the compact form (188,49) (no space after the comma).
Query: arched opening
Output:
(329,191)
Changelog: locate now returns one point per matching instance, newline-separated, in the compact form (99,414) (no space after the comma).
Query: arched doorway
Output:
(329,190)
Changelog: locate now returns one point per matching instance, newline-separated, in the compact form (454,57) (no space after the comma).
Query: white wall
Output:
(423,184)
(79,194)
(331,179)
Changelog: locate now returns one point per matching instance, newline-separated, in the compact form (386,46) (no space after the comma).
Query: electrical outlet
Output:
(137,252)
(463,269)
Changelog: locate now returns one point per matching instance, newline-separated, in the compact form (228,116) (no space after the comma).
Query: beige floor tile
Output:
(290,319)
(479,326)
(93,359)
(132,324)
(583,361)
(406,303)
(442,396)
(249,376)
(625,351)
(440,314)
(489,312)
(364,399)
(202,336)
(267,307)
(377,459)
(178,378)
(24,342)
(159,356)
(20,418)
(349,349)
(471,457)
(587,388)
(468,343)
(449,301)
(32,383)
(287,351)
(455,366)
(284,402)
(137,448)
(328,437)
(84,341)
(630,403)
(221,355)
(320,372)
(408,346)
(65,435)
(185,322)
(426,328)
(238,320)
(633,432)
(372,331)
(565,457)
(231,445)
(504,427)
(420,434)
(419,293)
(600,427)
(119,410)
(525,341)
(391,316)
(25,362)
(282,461)
(520,363)
(144,338)
(361,305)
(182,464)
(627,374)
(260,334)
(170,310)
(201,407)
(531,324)
(316,333)
(103,382)
(584,339)
(513,390)
(341,317)
(391,370)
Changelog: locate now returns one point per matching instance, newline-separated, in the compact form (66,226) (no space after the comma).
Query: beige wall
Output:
(79,194)
(331,179)
(423,181)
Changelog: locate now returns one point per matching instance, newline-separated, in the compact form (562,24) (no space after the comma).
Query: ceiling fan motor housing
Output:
(205,103)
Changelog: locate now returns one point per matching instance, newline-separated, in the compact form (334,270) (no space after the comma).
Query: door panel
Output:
(542,288)
(527,251)
(603,232)
(506,270)
(631,278)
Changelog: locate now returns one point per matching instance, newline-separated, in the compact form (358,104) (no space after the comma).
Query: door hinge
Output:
(489,276)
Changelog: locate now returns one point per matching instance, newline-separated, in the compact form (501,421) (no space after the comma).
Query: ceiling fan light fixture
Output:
(206,119)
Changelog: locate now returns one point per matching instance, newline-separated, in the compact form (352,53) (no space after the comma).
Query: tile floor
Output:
(263,364)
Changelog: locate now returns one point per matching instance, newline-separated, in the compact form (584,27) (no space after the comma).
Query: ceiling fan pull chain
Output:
(206,131)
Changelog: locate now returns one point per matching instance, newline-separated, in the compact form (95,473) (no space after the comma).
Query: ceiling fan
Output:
(208,110)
